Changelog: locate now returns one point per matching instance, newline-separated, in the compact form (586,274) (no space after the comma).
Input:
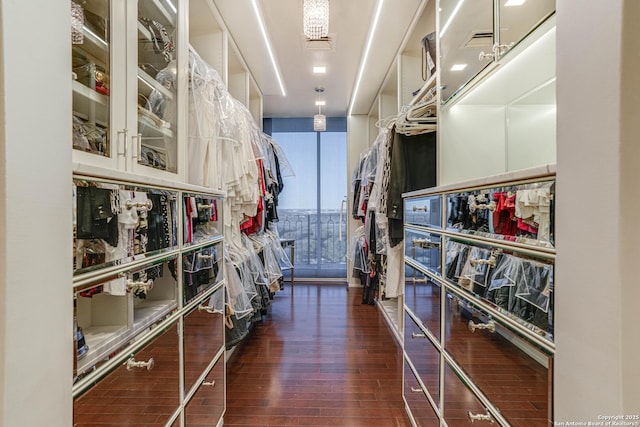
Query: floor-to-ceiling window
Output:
(311,208)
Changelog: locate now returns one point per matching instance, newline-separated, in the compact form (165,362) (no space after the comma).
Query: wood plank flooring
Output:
(320,358)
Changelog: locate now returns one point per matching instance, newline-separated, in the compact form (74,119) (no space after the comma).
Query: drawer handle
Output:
(416,390)
(203,207)
(209,384)
(421,208)
(489,326)
(209,309)
(203,256)
(491,261)
(423,280)
(424,243)
(481,207)
(480,417)
(131,363)
(143,286)
(414,335)
(147,206)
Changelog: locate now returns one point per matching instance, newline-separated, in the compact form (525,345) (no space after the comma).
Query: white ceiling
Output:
(349,24)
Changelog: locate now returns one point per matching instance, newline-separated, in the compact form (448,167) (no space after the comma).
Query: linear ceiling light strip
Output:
(366,54)
(267,41)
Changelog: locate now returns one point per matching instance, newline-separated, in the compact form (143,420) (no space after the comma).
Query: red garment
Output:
(504,217)
(256,224)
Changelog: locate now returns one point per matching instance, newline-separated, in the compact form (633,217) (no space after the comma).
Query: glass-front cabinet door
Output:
(94,121)
(155,143)
(124,85)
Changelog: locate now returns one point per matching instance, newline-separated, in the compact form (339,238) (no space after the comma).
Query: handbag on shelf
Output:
(93,76)
(161,42)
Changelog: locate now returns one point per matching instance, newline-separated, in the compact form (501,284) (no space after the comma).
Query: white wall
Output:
(597,295)
(472,142)
(36,304)
(531,136)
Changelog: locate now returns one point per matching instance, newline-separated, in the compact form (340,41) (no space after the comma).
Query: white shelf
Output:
(146,35)
(149,312)
(89,94)
(102,341)
(93,46)
(154,84)
(391,310)
(152,130)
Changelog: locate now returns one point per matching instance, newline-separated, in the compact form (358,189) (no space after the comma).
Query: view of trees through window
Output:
(309,207)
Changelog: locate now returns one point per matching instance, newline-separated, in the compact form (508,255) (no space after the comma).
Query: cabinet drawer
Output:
(420,407)
(111,313)
(117,223)
(423,355)
(203,217)
(425,249)
(202,269)
(514,375)
(521,213)
(460,403)
(425,211)
(207,405)
(422,297)
(203,336)
(130,395)
(520,287)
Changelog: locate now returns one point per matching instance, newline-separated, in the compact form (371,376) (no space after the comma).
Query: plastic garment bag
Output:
(358,251)
(534,285)
(272,267)
(255,265)
(278,250)
(239,301)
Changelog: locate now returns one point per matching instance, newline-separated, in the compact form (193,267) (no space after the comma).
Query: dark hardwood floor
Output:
(319,358)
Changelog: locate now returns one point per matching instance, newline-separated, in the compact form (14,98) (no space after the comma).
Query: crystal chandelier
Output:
(315,19)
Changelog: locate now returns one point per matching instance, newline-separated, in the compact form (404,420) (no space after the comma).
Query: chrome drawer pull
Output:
(491,261)
(140,285)
(203,256)
(414,335)
(131,363)
(423,208)
(202,207)
(148,205)
(424,243)
(423,280)
(416,390)
(209,384)
(489,326)
(209,309)
(481,207)
(480,417)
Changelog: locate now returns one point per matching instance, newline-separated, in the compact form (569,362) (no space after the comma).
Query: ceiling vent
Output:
(479,39)
(325,43)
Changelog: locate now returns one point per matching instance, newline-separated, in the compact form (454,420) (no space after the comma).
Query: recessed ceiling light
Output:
(320,103)
(458,67)
(319,70)
(514,3)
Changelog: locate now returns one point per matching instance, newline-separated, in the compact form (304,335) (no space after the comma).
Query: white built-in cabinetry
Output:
(148,285)
(495,88)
